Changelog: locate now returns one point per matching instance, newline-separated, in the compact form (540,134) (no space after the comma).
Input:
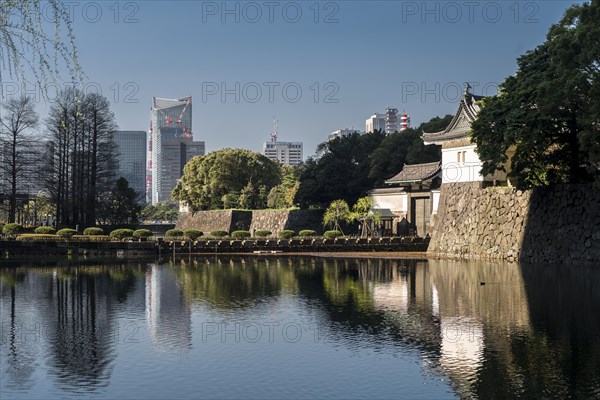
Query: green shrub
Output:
(45,230)
(219,233)
(12,229)
(286,234)
(93,231)
(42,237)
(121,234)
(192,234)
(66,233)
(333,234)
(240,234)
(263,233)
(142,233)
(174,233)
(307,233)
(91,238)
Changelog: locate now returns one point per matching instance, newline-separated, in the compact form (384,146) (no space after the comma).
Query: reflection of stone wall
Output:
(231,220)
(555,224)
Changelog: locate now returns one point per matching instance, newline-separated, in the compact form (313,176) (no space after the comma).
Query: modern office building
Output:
(375,122)
(131,160)
(341,133)
(172,144)
(287,153)
(391,120)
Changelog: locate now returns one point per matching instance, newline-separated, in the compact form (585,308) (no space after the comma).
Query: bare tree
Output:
(17,121)
(80,164)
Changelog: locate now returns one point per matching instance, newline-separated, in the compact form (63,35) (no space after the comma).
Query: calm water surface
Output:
(300,328)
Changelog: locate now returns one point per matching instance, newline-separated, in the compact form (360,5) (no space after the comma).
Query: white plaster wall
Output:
(435,201)
(455,171)
(395,202)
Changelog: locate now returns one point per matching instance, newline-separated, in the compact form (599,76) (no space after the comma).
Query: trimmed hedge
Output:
(12,229)
(219,233)
(93,231)
(263,233)
(333,234)
(142,233)
(286,234)
(39,237)
(91,238)
(307,233)
(174,233)
(240,234)
(121,234)
(45,230)
(67,233)
(192,234)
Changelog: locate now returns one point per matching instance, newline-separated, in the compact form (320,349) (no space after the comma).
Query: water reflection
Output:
(493,329)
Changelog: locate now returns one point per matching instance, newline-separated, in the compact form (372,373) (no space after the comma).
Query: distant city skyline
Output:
(243,68)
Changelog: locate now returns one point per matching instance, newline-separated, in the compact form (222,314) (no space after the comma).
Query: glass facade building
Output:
(131,160)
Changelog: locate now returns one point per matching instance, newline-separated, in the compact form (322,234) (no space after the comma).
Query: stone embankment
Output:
(556,224)
(14,250)
(233,220)
(299,245)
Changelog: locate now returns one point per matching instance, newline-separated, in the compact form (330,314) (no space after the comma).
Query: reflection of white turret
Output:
(167,314)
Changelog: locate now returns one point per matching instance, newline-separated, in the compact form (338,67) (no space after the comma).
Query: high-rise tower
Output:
(172,144)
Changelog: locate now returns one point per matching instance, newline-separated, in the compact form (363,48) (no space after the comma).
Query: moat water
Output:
(299,328)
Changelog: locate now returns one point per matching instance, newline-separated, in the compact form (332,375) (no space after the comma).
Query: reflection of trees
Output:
(73,308)
(235,281)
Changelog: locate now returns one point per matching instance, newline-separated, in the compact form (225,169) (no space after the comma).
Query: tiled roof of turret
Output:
(416,173)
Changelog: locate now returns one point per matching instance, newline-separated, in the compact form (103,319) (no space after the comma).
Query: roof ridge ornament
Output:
(468,88)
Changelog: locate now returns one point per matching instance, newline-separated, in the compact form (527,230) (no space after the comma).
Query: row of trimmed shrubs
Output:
(89,234)
(97,234)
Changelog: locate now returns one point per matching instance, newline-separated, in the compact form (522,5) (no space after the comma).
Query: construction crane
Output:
(187,103)
(274,133)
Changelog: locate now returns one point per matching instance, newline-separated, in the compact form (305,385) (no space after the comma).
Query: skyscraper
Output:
(172,144)
(131,150)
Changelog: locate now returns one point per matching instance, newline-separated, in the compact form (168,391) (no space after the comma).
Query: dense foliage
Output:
(229,178)
(349,166)
(548,113)
(163,211)
(119,205)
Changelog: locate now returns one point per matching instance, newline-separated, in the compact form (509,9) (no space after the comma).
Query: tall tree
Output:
(227,176)
(119,206)
(79,168)
(17,120)
(546,115)
(27,46)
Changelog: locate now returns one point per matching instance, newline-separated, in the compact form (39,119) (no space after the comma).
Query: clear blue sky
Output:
(362,55)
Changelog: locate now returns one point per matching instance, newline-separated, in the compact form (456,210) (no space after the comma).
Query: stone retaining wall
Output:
(232,220)
(557,224)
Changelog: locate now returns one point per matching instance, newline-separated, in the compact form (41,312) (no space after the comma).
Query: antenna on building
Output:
(274,133)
